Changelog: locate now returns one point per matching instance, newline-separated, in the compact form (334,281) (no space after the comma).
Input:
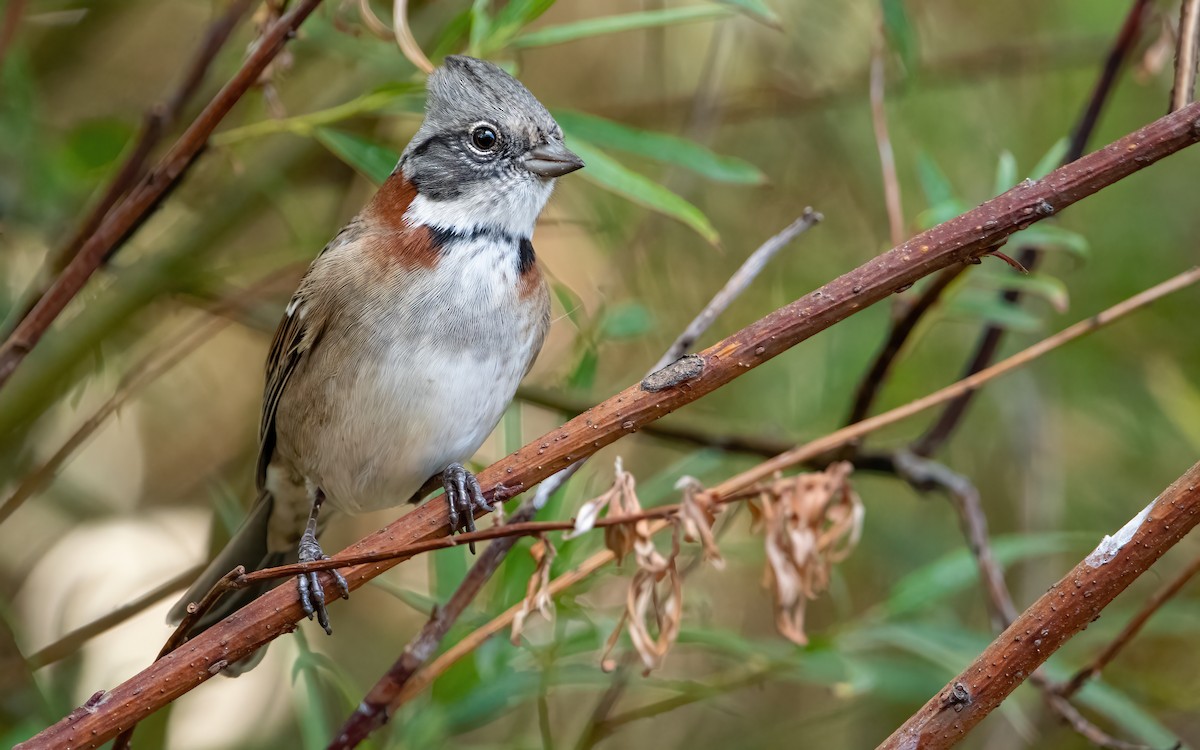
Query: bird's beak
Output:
(552,160)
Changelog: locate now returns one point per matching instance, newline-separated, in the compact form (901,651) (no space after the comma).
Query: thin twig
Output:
(756,445)
(1131,629)
(125,218)
(924,474)
(901,330)
(959,240)
(883,143)
(988,344)
(405,39)
(1187,55)
(1067,608)
(385,697)
(73,641)
(155,123)
(9,25)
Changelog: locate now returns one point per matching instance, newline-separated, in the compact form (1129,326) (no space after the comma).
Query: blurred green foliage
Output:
(706,127)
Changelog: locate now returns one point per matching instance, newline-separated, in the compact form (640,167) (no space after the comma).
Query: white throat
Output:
(511,206)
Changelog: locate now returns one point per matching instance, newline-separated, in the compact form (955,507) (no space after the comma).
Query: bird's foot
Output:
(312,593)
(465,496)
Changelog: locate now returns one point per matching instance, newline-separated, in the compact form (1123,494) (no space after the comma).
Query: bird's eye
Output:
(484,138)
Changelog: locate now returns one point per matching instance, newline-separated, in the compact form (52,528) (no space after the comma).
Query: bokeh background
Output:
(977,96)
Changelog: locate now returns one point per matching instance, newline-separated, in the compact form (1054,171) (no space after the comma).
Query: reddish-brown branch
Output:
(1131,629)
(143,198)
(959,240)
(904,326)
(1060,613)
(988,345)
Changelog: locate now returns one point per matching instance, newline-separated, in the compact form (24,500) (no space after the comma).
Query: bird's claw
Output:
(312,593)
(464,496)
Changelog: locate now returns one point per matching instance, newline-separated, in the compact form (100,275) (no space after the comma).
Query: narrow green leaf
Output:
(756,9)
(1050,161)
(481,26)
(658,146)
(1053,237)
(371,160)
(943,203)
(611,175)
(448,568)
(957,571)
(584,375)
(515,16)
(570,32)
(1006,173)
(991,309)
(1125,712)
(1043,286)
(626,321)
(899,30)
(572,305)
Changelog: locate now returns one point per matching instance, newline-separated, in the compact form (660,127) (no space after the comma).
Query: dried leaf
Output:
(654,618)
(697,514)
(811,521)
(537,591)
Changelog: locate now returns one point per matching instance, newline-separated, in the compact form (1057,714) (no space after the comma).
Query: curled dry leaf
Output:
(620,500)
(811,521)
(537,591)
(697,513)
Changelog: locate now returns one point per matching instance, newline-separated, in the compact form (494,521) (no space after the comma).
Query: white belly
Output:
(431,379)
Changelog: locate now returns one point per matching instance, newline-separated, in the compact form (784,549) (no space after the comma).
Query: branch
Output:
(959,240)
(1130,631)
(1067,608)
(142,199)
(904,326)
(1187,54)
(989,342)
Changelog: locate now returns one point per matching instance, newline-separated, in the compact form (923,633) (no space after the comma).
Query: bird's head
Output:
(488,152)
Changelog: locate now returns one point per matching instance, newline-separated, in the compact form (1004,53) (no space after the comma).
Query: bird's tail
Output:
(248,547)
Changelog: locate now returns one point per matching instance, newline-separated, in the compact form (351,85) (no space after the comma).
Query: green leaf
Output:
(516,15)
(991,309)
(570,32)
(626,321)
(96,144)
(660,147)
(371,160)
(1050,161)
(943,203)
(584,374)
(611,175)
(1006,173)
(481,26)
(1108,701)
(957,571)
(1053,237)
(448,568)
(899,31)
(1043,286)
(756,9)
(572,305)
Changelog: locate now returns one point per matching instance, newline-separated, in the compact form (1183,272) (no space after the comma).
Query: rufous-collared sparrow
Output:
(406,339)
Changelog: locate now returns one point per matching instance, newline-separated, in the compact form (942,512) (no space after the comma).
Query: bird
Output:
(408,335)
